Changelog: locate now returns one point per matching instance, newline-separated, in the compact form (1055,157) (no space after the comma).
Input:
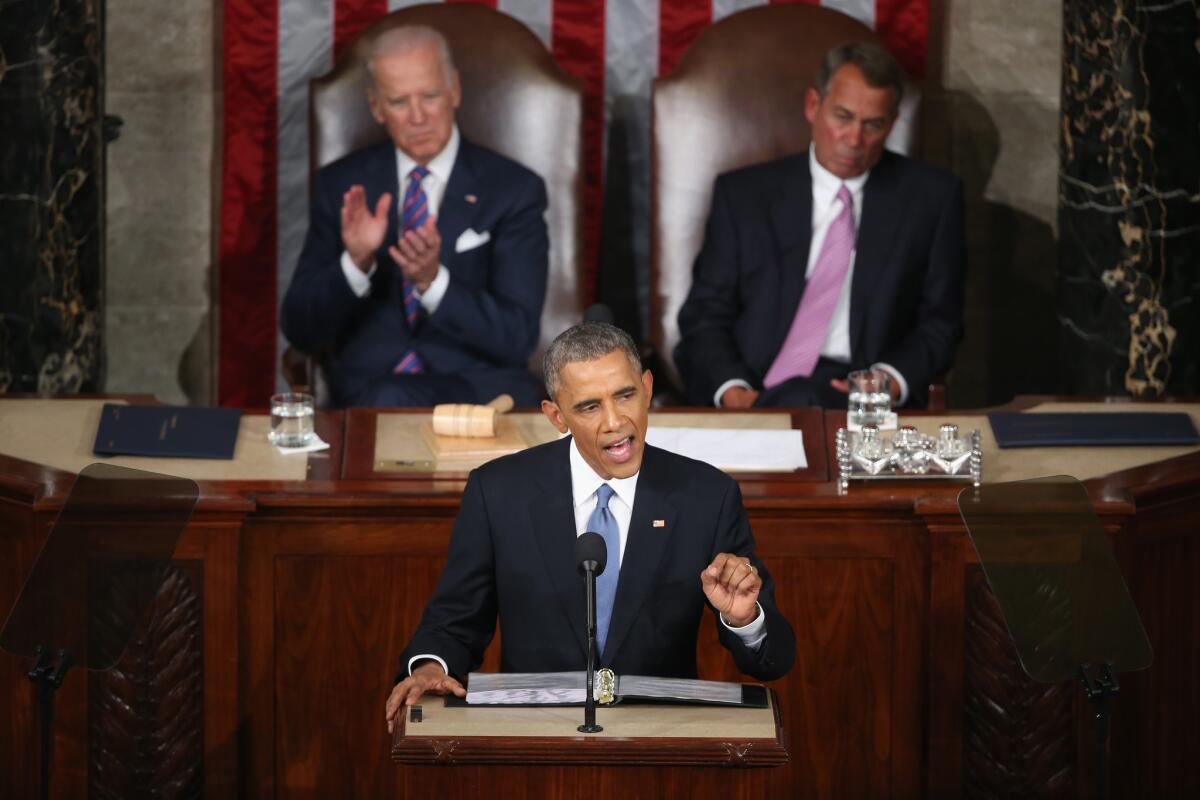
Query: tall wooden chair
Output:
(736,98)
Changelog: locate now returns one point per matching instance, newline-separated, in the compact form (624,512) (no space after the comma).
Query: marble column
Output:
(51,190)
(1129,198)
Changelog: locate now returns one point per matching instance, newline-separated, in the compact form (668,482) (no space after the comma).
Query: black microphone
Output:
(591,553)
(598,312)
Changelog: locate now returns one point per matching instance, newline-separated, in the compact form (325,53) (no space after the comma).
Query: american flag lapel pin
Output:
(472,199)
(658,523)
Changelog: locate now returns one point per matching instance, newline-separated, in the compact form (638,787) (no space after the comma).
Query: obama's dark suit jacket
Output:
(512,554)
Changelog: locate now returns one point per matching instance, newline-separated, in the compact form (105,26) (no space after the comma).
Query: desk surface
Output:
(897,635)
(364,443)
(641,734)
(58,434)
(1025,463)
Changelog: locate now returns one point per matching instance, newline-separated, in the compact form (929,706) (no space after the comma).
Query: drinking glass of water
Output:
(870,397)
(291,419)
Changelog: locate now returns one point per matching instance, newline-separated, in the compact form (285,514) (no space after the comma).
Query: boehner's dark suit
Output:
(906,293)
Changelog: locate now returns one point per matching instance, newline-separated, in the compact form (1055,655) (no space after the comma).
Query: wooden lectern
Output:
(644,750)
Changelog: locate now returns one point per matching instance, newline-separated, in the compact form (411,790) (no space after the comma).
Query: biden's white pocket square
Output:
(469,240)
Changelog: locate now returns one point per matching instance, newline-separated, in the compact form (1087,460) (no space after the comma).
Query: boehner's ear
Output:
(812,102)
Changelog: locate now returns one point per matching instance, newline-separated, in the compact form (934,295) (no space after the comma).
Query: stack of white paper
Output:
(735,448)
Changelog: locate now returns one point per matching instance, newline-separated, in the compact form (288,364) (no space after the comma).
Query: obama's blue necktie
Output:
(604,523)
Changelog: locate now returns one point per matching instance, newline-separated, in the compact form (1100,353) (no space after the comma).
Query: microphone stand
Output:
(589,706)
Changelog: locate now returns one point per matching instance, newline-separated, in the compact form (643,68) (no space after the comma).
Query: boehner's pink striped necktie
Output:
(802,346)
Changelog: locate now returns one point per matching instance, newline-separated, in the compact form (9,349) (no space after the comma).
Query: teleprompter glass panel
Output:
(1047,559)
(101,566)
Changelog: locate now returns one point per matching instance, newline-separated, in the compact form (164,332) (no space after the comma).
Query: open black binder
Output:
(569,689)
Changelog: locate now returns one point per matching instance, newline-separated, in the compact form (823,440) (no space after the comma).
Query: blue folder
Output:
(1100,429)
(167,431)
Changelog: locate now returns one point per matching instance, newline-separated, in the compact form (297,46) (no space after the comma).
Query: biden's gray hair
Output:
(587,341)
(405,39)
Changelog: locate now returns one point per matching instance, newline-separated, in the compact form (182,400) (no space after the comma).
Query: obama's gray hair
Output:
(587,341)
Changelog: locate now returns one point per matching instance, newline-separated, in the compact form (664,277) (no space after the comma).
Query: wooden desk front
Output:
(643,751)
(299,596)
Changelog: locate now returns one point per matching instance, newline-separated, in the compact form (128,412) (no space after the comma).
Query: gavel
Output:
(469,420)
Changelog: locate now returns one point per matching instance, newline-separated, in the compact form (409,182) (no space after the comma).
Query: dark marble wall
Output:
(51,195)
(1129,198)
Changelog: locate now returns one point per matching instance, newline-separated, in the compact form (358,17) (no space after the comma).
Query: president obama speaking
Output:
(677,534)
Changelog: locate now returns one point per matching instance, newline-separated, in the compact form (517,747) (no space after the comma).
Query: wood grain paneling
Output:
(1020,736)
(839,705)
(344,623)
(335,646)
(22,532)
(652,783)
(329,602)
(145,724)
(207,554)
(309,590)
(1155,739)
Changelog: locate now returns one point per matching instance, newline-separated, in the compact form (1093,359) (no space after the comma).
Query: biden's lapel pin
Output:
(658,523)
(472,199)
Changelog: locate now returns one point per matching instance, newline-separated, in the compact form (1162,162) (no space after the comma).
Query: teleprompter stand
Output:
(1066,605)
(100,568)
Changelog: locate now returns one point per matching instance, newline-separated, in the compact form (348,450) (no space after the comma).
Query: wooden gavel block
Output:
(469,420)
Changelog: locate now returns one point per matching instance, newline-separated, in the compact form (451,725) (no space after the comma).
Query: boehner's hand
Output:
(731,584)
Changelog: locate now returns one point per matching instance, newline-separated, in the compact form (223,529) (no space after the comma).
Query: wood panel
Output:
(1020,736)
(1155,738)
(310,589)
(24,527)
(838,706)
(346,595)
(214,541)
(337,646)
(944,678)
(993,732)
(713,746)
(146,716)
(84,709)
(21,534)
(328,605)
(695,783)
